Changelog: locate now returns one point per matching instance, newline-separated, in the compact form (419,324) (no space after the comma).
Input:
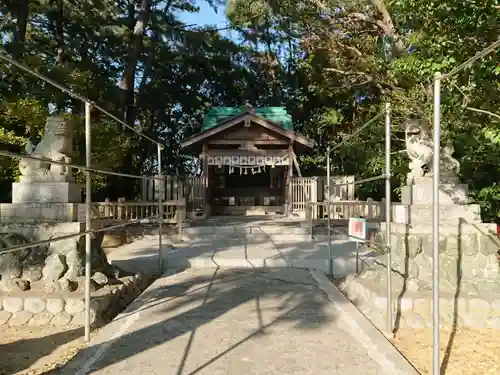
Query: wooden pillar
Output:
(158,187)
(205,178)
(296,163)
(151,189)
(289,180)
(314,197)
(144,190)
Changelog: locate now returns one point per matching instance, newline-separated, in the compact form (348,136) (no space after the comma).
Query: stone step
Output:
(342,265)
(240,229)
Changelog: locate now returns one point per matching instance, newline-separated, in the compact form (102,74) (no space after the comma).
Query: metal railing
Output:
(87,168)
(436,137)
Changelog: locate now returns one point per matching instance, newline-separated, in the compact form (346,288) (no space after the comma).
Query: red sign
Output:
(357,229)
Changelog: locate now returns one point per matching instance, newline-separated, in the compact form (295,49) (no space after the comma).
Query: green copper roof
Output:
(274,114)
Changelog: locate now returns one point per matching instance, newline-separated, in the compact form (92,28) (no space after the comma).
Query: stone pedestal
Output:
(46,204)
(417,199)
(46,192)
(469,269)
(451,214)
(469,277)
(42,212)
(420,192)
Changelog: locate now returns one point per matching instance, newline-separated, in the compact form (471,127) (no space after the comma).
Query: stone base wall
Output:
(421,192)
(469,277)
(40,212)
(40,310)
(414,310)
(46,192)
(448,214)
(468,259)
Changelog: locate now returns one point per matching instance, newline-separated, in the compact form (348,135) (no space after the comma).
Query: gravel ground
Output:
(465,352)
(35,350)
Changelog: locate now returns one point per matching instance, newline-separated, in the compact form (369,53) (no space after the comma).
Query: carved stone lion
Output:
(55,145)
(449,166)
(419,148)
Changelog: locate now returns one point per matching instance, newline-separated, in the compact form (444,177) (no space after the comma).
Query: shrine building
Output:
(247,157)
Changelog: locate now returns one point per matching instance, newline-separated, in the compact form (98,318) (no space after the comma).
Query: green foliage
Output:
(333,64)
(347,64)
(161,82)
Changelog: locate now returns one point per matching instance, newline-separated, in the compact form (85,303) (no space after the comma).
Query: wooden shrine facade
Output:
(247,157)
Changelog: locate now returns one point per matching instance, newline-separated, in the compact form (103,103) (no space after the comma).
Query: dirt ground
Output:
(34,351)
(466,351)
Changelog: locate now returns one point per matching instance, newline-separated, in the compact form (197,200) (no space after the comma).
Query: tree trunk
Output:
(127,82)
(59,31)
(22,13)
(387,25)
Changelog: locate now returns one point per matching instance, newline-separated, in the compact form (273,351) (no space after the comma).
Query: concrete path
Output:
(257,247)
(227,321)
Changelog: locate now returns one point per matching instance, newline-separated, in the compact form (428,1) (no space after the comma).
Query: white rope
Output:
(75,95)
(472,60)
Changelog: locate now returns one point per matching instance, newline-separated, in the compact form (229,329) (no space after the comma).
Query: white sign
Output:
(400,214)
(357,229)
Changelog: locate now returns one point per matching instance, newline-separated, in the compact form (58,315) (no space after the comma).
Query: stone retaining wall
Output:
(467,256)
(414,310)
(40,310)
(469,277)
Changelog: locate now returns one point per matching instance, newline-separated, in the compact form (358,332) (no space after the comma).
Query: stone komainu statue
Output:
(419,147)
(55,145)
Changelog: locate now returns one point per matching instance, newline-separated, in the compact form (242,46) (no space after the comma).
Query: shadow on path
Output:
(173,309)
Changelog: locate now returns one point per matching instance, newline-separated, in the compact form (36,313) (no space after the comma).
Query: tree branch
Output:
(483,111)
(346,73)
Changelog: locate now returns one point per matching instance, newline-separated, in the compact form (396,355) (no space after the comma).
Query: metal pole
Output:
(160,213)
(388,213)
(435,223)
(328,212)
(88,220)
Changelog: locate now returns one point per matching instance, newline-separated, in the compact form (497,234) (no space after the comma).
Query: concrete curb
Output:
(364,332)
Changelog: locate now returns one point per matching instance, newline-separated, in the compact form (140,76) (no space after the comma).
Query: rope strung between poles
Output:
(69,236)
(16,155)
(75,95)
(357,131)
(88,258)
(472,60)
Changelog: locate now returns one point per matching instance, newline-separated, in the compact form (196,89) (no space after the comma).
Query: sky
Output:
(206,16)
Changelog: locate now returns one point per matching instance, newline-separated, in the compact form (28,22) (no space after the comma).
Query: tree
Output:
(352,56)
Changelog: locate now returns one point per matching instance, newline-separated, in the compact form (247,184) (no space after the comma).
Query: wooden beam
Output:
(284,132)
(240,141)
(296,163)
(208,133)
(245,118)
(246,152)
